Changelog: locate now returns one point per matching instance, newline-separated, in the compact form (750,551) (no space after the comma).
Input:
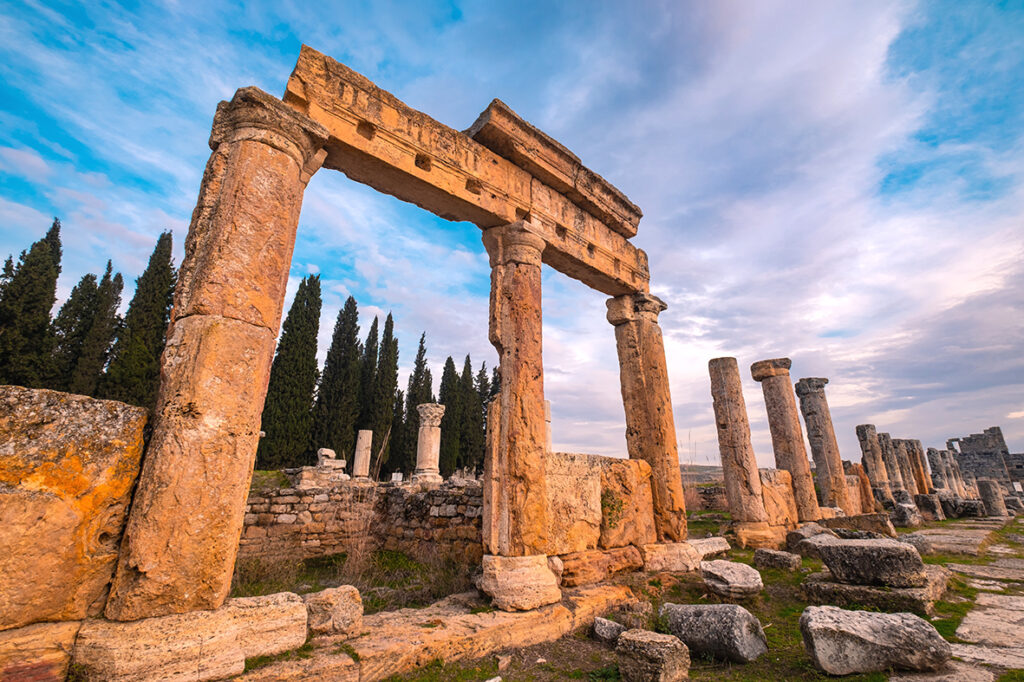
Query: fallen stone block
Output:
(921,543)
(710,546)
(646,656)
(772,558)
(594,566)
(905,516)
(39,652)
(875,523)
(723,631)
(677,557)
(930,507)
(607,631)
(821,588)
(804,532)
(519,583)
(811,546)
(731,579)
(759,534)
(844,642)
(338,610)
(874,562)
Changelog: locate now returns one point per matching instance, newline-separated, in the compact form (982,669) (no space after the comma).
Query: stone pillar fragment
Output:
(902,453)
(787,436)
(867,497)
(935,463)
(182,535)
(520,502)
(874,463)
(428,444)
(991,494)
(920,464)
(361,458)
(956,475)
(547,423)
(892,467)
(822,436)
(650,425)
(739,465)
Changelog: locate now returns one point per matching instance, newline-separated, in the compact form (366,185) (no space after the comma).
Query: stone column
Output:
(787,436)
(902,453)
(917,458)
(867,497)
(428,444)
(181,539)
(739,465)
(515,331)
(824,448)
(361,459)
(953,469)
(650,425)
(991,494)
(871,457)
(892,467)
(936,464)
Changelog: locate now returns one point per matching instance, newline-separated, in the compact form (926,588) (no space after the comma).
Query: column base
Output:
(427,477)
(519,583)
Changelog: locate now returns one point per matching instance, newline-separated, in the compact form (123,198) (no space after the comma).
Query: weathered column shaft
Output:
(867,497)
(902,453)
(363,453)
(874,463)
(892,467)
(787,436)
(650,425)
(920,464)
(515,331)
(991,494)
(822,436)
(739,465)
(428,443)
(181,539)
(939,479)
(953,474)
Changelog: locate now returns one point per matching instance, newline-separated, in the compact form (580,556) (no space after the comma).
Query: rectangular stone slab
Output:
(378,140)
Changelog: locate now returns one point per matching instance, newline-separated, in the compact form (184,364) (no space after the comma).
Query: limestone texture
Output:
(875,523)
(844,642)
(903,461)
(67,467)
(428,443)
(722,631)
(363,454)
(336,610)
(930,507)
(822,588)
(594,566)
(777,493)
(627,507)
(874,562)
(650,425)
(37,653)
(519,583)
(646,656)
(892,465)
(607,631)
(731,579)
(905,515)
(828,463)
(574,502)
(772,558)
(874,463)
(710,546)
(992,497)
(674,557)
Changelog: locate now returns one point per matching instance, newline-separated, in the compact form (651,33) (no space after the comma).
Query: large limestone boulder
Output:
(905,516)
(724,631)
(731,579)
(646,656)
(337,610)
(874,562)
(627,509)
(773,558)
(67,467)
(676,557)
(37,653)
(844,642)
(518,583)
(574,502)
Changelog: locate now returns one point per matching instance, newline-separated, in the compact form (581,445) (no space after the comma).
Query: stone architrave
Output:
(822,436)
(650,426)
(903,461)
(428,444)
(518,502)
(892,466)
(939,476)
(182,535)
(787,436)
(874,463)
(739,465)
(361,459)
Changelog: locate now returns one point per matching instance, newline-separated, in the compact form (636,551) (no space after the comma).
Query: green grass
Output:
(304,651)
(1011,676)
(437,671)
(346,648)
(268,480)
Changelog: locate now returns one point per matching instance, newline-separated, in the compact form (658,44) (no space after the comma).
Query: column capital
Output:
(810,385)
(775,367)
(629,307)
(430,414)
(255,115)
(513,243)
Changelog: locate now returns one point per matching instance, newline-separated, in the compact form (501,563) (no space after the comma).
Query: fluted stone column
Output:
(939,476)
(874,463)
(361,459)
(991,494)
(787,436)
(181,539)
(953,472)
(520,502)
(824,449)
(902,454)
(650,425)
(428,444)
(739,465)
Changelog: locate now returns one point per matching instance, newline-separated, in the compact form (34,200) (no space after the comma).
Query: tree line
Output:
(88,348)
(308,408)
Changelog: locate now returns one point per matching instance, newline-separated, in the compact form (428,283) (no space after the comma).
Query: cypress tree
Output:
(288,411)
(97,341)
(337,399)
(451,433)
(420,390)
(472,441)
(495,383)
(133,375)
(368,377)
(384,393)
(397,429)
(29,291)
(70,327)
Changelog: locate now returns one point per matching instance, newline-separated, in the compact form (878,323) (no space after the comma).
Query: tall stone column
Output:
(822,436)
(515,331)
(650,425)
(871,457)
(939,479)
(428,444)
(902,453)
(953,467)
(892,467)
(739,465)
(361,458)
(867,497)
(787,436)
(920,465)
(181,539)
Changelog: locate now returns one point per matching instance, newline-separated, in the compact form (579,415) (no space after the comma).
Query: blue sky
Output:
(839,182)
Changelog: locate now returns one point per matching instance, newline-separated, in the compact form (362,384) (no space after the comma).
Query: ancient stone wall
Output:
(983,455)
(1015,465)
(712,498)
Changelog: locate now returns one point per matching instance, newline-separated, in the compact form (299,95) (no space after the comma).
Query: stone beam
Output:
(376,139)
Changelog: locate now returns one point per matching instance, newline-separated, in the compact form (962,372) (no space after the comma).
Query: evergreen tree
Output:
(451,433)
(384,393)
(397,429)
(288,411)
(70,328)
(97,341)
(368,378)
(133,375)
(337,399)
(495,383)
(29,291)
(471,446)
(6,274)
(420,390)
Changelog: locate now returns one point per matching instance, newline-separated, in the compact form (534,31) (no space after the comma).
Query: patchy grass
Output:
(1011,676)
(268,480)
(304,651)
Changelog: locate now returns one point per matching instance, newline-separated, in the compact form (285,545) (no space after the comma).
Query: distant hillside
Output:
(701,473)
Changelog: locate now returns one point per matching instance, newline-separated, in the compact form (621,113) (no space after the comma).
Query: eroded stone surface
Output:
(731,579)
(874,562)
(770,558)
(777,494)
(37,653)
(607,631)
(724,631)
(821,588)
(710,546)
(593,566)
(67,467)
(337,610)
(824,449)
(992,497)
(646,656)
(678,557)
(574,502)
(626,504)
(519,583)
